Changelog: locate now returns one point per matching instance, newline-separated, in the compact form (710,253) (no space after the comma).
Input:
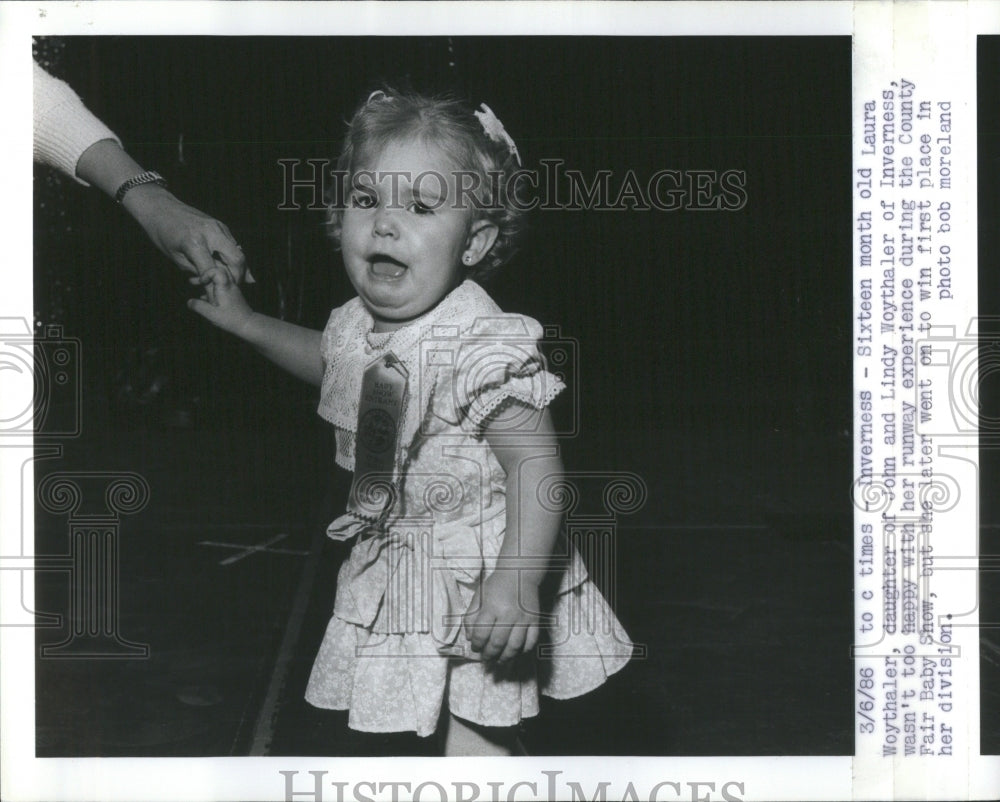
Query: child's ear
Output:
(482,235)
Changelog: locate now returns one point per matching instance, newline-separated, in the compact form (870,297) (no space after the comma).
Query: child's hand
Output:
(223,304)
(502,621)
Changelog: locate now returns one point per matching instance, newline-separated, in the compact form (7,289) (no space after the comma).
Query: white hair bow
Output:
(494,129)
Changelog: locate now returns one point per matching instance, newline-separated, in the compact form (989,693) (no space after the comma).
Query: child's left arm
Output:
(503,618)
(294,348)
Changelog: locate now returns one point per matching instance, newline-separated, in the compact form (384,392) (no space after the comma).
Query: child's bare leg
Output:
(463,738)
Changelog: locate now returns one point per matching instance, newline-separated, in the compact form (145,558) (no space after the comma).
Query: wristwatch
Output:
(148,177)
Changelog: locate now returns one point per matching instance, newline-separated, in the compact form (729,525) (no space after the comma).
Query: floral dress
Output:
(394,652)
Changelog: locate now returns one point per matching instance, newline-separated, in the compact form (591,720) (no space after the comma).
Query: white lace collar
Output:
(350,345)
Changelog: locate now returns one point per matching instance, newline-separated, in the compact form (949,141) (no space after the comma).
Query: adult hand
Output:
(190,238)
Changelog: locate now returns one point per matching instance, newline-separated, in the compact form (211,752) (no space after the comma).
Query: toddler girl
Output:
(438,402)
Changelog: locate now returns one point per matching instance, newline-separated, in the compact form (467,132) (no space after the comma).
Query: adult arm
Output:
(69,137)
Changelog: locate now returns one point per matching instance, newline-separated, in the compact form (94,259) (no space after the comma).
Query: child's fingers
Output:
(531,638)
(213,280)
(499,638)
(469,619)
(478,629)
(515,643)
(210,280)
(200,306)
(220,276)
(201,278)
(205,308)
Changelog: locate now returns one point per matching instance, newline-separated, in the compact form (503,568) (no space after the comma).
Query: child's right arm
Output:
(296,349)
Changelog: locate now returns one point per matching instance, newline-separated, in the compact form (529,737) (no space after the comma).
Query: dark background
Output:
(714,362)
(988,109)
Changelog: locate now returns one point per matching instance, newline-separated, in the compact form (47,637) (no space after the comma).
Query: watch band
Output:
(148,177)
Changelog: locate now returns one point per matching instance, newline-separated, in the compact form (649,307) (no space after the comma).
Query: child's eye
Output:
(420,208)
(362,200)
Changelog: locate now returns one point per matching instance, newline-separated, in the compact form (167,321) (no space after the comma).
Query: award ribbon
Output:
(380,413)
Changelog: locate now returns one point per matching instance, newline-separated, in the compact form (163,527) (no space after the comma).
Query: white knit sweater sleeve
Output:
(64,128)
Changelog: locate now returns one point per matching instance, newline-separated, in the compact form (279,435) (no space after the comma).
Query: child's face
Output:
(402,237)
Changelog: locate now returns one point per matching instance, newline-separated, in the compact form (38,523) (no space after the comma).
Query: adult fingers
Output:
(231,256)
(197,252)
(236,260)
(227,232)
(181,260)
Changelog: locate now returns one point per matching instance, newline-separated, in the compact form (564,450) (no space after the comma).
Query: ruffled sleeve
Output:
(493,363)
(331,343)
(343,364)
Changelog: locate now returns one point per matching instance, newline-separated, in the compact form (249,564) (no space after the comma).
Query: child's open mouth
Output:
(386,267)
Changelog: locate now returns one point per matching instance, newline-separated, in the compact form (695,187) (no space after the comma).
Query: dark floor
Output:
(735,576)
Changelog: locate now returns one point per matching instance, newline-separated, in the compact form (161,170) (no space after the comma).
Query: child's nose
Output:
(384,224)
